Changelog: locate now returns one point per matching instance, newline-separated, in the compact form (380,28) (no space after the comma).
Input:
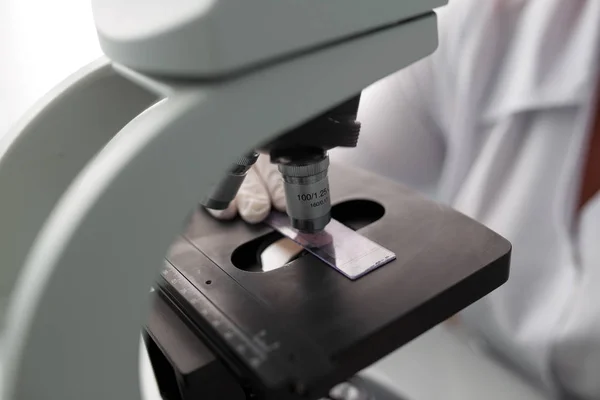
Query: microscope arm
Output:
(50,145)
(72,327)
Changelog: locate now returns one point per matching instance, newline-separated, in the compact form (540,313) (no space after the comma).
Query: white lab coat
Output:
(496,121)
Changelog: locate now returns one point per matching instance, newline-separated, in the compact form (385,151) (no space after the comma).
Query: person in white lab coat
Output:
(505,118)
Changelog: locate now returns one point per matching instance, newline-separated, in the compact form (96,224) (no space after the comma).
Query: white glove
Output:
(262,188)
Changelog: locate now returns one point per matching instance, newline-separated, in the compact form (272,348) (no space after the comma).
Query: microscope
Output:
(102,232)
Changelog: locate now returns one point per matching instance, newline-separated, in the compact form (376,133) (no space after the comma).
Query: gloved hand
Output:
(262,188)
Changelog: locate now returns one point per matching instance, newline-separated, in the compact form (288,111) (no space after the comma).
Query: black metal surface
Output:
(184,367)
(308,326)
(336,127)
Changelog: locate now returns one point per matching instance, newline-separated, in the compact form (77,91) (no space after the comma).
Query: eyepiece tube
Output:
(221,194)
(306,188)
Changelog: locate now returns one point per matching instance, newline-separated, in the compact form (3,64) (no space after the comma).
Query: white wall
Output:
(41,43)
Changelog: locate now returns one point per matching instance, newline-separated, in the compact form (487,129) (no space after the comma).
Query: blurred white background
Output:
(41,43)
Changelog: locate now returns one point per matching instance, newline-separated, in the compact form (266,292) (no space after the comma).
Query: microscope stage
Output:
(296,331)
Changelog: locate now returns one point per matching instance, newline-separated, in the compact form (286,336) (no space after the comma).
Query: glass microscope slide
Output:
(337,245)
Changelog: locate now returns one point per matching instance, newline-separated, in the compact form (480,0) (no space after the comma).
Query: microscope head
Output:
(235,37)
